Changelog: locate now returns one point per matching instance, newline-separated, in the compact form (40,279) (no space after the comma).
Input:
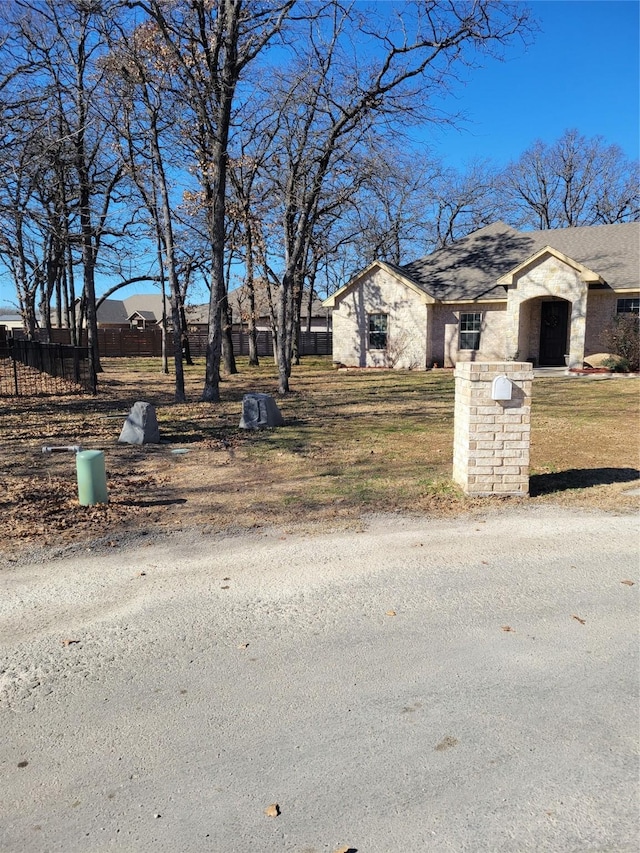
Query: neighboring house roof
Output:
(112,311)
(198,314)
(477,266)
(11,321)
(146,302)
(145,315)
(238,299)
(119,311)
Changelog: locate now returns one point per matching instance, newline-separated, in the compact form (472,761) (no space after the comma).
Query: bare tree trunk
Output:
(251,296)
(186,349)
(229,359)
(169,257)
(296,319)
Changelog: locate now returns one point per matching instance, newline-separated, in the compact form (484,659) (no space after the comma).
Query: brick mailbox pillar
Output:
(492,436)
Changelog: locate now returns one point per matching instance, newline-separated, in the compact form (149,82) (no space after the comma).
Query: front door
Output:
(554,319)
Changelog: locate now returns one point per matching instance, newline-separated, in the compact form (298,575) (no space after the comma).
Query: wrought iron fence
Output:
(30,367)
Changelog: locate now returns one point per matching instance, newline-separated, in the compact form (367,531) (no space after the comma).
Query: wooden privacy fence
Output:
(117,343)
(310,343)
(147,343)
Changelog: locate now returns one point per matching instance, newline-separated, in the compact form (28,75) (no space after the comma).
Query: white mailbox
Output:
(501,388)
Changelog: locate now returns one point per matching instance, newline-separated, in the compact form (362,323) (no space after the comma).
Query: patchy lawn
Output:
(354,442)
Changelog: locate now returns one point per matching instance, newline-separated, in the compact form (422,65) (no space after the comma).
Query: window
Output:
(629,306)
(470,331)
(377,331)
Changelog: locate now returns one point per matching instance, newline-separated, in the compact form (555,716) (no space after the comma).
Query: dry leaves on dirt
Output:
(47,509)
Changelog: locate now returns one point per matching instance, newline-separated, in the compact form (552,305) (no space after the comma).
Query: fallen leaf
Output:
(243,646)
(508,628)
(273,810)
(578,619)
(627,583)
(446,743)
(69,642)
(390,613)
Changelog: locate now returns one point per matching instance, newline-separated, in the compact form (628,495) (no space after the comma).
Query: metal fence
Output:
(29,367)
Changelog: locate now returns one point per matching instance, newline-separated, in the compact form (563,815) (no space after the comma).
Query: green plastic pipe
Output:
(92,478)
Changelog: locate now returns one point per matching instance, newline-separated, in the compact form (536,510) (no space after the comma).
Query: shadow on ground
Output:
(580,478)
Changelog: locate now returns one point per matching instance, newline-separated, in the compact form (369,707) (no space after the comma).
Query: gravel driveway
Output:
(466,685)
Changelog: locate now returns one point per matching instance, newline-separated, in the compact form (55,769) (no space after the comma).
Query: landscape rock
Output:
(141,425)
(260,411)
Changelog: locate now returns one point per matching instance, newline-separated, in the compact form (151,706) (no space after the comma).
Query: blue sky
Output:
(582,71)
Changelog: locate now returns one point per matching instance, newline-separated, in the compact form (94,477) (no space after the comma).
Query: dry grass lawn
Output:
(355,442)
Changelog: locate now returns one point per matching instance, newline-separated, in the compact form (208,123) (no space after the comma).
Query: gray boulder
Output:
(260,411)
(141,425)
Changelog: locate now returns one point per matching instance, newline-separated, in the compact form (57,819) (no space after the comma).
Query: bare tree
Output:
(56,46)
(461,202)
(144,123)
(574,181)
(333,93)
(208,46)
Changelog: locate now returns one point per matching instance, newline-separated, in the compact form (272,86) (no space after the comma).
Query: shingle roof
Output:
(148,305)
(112,311)
(146,302)
(469,268)
(146,315)
(239,298)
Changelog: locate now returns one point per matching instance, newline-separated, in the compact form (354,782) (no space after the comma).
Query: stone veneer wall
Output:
(380,292)
(492,437)
(548,277)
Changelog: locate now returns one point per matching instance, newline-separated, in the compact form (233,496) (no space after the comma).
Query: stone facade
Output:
(545,297)
(406,309)
(601,312)
(549,277)
(444,344)
(492,437)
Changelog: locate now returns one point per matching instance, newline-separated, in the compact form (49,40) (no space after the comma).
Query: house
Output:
(140,311)
(11,320)
(198,315)
(497,294)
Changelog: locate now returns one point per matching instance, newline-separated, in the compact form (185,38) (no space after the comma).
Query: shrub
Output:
(622,339)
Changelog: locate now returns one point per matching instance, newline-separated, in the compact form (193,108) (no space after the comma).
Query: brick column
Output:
(492,437)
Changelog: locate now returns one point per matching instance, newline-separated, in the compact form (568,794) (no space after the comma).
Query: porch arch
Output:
(548,281)
(543,332)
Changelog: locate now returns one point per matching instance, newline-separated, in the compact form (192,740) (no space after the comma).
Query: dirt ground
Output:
(323,472)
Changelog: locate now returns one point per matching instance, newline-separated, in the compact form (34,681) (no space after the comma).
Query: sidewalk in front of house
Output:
(550,372)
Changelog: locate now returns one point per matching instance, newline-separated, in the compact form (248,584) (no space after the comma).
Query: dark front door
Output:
(554,318)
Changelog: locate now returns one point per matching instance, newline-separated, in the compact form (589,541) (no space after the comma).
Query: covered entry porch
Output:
(547,309)
(544,331)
